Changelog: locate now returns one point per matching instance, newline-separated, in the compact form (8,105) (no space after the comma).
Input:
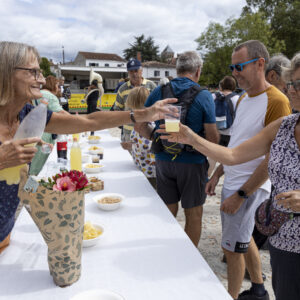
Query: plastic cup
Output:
(172,119)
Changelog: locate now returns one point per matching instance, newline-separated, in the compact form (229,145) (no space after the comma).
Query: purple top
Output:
(9,200)
(284,172)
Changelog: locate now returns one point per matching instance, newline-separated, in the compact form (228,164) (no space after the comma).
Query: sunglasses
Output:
(36,73)
(294,84)
(239,67)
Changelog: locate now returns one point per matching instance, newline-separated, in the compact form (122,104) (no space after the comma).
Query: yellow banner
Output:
(75,104)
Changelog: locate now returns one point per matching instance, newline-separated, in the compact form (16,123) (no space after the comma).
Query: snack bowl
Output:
(94,139)
(109,201)
(98,294)
(91,235)
(94,150)
(93,168)
(85,159)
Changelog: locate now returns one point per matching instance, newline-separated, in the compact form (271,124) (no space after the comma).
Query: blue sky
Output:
(109,25)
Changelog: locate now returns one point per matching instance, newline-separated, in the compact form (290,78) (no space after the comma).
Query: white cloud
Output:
(109,26)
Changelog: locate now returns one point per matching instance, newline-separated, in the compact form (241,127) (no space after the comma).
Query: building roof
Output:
(168,49)
(101,56)
(157,64)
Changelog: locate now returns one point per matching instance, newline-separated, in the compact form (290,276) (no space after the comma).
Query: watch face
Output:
(241,193)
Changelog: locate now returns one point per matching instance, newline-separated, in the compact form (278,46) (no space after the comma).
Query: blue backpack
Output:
(224,110)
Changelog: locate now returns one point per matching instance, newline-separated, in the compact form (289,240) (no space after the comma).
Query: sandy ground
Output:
(209,245)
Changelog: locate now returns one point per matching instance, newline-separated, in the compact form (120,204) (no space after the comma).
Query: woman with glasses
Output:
(282,139)
(20,80)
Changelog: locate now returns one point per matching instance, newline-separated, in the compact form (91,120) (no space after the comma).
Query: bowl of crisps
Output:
(94,139)
(93,168)
(92,234)
(109,201)
(94,150)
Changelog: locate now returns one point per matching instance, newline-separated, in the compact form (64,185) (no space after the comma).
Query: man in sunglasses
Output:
(247,185)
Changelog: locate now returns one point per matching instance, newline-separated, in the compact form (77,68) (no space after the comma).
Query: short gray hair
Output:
(255,49)
(276,63)
(188,62)
(12,55)
(287,72)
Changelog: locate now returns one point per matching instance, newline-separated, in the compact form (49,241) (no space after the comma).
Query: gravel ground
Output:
(210,243)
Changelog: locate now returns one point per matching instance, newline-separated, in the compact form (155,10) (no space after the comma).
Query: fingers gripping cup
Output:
(172,119)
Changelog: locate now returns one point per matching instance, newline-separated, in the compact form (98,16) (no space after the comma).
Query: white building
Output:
(155,70)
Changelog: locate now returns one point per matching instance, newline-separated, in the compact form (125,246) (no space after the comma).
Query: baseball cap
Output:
(133,64)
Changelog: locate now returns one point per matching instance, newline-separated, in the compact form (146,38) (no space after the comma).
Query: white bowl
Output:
(93,170)
(93,242)
(85,159)
(108,206)
(93,141)
(95,151)
(98,294)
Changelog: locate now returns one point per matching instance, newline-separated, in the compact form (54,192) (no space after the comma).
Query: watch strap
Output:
(132,118)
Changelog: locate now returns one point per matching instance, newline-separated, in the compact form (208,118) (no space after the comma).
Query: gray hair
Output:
(255,49)
(188,62)
(276,63)
(12,55)
(287,72)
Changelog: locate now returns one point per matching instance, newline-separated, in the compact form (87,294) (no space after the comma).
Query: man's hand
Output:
(232,204)
(211,186)
(14,153)
(158,110)
(184,136)
(289,200)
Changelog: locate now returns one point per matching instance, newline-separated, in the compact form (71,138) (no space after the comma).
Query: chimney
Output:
(139,56)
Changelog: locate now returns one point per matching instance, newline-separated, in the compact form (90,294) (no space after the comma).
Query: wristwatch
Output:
(242,194)
(132,118)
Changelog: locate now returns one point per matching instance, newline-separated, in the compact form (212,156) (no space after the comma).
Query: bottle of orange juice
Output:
(75,156)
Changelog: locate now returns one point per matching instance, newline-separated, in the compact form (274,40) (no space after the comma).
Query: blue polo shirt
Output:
(201,111)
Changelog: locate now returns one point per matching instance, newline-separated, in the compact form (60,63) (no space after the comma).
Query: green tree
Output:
(146,46)
(217,42)
(45,66)
(284,18)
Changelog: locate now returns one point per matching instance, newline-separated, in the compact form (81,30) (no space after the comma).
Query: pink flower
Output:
(64,184)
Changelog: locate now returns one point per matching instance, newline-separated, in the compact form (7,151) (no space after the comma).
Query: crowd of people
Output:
(258,153)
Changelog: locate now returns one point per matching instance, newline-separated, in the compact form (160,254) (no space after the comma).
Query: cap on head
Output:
(133,64)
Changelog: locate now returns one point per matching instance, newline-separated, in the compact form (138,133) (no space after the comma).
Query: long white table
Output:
(144,254)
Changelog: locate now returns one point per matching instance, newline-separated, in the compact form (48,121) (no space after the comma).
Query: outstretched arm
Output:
(250,149)
(61,123)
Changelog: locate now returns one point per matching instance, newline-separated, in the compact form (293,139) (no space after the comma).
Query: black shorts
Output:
(181,181)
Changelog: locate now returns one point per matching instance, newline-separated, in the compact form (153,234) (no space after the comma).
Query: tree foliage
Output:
(217,42)
(144,45)
(45,66)
(284,18)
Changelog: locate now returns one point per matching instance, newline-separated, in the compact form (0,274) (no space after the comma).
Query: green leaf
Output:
(59,215)
(63,224)
(58,258)
(41,214)
(72,225)
(65,266)
(74,207)
(66,248)
(50,205)
(67,216)
(70,278)
(67,238)
(81,203)
(66,259)
(39,196)
(47,221)
(61,204)
(41,202)
(54,199)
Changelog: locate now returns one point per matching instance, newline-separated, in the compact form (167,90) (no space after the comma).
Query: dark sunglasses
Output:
(34,72)
(295,84)
(239,67)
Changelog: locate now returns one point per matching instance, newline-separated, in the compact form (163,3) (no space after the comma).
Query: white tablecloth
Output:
(144,254)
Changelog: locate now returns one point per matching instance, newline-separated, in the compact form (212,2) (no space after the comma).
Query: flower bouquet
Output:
(57,208)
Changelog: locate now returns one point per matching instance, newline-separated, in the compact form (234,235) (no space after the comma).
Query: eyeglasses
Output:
(34,72)
(294,84)
(239,67)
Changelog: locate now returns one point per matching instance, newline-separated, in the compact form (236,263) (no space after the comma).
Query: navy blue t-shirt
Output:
(9,200)
(201,111)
